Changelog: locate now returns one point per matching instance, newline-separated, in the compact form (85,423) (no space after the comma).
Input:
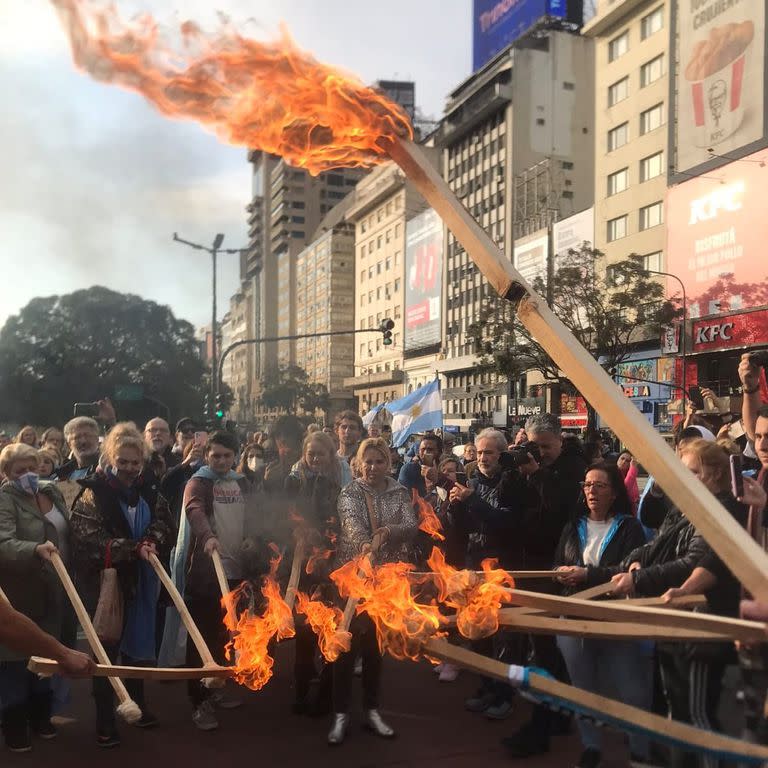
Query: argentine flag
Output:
(420,411)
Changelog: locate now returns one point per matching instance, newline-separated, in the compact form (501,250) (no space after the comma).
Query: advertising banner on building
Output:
(497,23)
(572,233)
(423,285)
(573,411)
(531,256)
(743,330)
(716,236)
(720,83)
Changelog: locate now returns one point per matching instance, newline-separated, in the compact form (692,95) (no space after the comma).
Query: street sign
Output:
(131,392)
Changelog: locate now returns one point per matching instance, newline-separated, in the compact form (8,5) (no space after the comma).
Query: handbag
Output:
(108,619)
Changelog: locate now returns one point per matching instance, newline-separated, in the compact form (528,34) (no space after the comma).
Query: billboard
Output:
(497,23)
(716,235)
(720,80)
(423,281)
(572,233)
(743,330)
(531,256)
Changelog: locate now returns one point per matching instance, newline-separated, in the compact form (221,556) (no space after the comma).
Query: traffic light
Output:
(386,327)
(219,413)
(207,407)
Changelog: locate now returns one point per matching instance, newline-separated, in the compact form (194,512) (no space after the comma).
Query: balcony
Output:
(374,379)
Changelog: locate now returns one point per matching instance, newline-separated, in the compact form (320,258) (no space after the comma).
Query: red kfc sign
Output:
(746,329)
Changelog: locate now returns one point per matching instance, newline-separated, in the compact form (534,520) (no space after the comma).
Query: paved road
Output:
(433,730)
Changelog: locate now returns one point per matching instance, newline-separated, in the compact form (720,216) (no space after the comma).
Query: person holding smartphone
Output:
(415,474)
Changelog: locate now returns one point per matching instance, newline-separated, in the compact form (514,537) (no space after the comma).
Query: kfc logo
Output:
(726,198)
(708,334)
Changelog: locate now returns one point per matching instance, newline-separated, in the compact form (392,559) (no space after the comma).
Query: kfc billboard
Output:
(716,237)
(423,283)
(743,330)
(720,80)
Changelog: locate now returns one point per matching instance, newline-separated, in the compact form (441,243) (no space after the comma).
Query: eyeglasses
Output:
(587,485)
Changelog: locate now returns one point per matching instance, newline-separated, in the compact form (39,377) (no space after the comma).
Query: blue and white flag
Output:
(420,411)
(370,417)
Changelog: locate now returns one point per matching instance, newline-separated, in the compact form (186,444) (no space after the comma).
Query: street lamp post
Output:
(214,251)
(683,329)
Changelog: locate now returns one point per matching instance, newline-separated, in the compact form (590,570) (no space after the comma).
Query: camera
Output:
(86,409)
(759,359)
(518,456)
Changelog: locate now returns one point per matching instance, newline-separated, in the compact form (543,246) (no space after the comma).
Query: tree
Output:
(289,388)
(63,349)
(608,310)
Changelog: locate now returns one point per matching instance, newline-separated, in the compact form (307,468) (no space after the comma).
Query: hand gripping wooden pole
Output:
(596,707)
(127,708)
(194,632)
(732,543)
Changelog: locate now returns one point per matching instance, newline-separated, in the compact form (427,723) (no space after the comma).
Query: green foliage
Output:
(289,388)
(63,349)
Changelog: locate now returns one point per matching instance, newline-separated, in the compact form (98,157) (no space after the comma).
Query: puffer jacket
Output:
(393,509)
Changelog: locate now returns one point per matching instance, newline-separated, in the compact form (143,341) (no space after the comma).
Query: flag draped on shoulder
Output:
(420,411)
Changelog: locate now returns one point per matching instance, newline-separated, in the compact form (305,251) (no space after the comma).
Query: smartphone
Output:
(201,438)
(737,479)
(461,478)
(694,393)
(444,482)
(86,409)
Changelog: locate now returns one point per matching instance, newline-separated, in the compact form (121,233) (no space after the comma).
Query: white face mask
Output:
(255,463)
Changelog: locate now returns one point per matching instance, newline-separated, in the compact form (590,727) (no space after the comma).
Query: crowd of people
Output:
(100,494)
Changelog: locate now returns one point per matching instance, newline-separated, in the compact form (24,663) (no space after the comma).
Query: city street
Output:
(433,730)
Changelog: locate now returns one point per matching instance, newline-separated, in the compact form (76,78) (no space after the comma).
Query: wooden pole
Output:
(599,707)
(729,540)
(293,581)
(127,708)
(202,648)
(226,592)
(514,574)
(47,667)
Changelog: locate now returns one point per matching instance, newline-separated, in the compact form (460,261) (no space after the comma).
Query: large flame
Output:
(477,598)
(324,620)
(270,96)
(402,624)
(428,520)
(254,629)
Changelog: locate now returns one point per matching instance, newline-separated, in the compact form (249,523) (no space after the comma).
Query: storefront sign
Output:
(746,329)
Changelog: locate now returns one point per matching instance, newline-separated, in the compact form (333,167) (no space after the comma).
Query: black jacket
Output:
(567,472)
(625,535)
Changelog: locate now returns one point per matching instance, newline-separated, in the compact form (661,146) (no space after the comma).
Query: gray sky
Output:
(95,181)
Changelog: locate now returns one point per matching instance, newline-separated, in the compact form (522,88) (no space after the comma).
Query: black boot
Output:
(533,737)
(40,715)
(15,728)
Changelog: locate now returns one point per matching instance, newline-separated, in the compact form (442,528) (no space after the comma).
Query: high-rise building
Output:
(518,150)
(631,113)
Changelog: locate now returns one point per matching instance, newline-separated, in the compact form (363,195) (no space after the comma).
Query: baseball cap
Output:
(185,424)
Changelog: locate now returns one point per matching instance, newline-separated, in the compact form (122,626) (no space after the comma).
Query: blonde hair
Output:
(23,430)
(326,442)
(123,435)
(16,452)
(375,444)
(45,453)
(715,468)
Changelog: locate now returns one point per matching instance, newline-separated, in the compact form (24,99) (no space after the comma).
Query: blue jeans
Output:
(622,670)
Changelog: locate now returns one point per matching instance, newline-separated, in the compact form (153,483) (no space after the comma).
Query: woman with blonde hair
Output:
(371,507)
(120,519)
(28,436)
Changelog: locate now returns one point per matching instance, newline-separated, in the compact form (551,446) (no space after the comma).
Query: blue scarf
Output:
(208,474)
(138,639)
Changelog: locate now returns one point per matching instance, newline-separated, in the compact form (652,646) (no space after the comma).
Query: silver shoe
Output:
(375,723)
(338,728)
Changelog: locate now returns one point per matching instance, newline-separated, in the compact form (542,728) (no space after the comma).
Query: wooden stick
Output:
(601,590)
(293,581)
(599,707)
(127,708)
(194,632)
(513,574)
(736,629)
(728,539)
(221,577)
(47,667)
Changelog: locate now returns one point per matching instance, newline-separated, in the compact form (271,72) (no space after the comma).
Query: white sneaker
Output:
(438,668)
(222,701)
(448,673)
(204,717)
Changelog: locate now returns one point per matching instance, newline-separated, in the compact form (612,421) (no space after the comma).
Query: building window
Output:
(651,215)
(618,91)
(362,275)
(652,166)
(652,23)
(568,86)
(618,46)
(378,268)
(651,71)
(618,181)
(618,136)
(617,228)
(652,261)
(397,285)
(651,119)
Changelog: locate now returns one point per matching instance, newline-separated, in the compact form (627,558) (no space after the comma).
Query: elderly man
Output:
(157,436)
(82,437)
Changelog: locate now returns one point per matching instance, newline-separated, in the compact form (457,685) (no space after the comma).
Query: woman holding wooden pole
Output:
(120,518)
(214,505)
(372,506)
(602,536)
(313,487)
